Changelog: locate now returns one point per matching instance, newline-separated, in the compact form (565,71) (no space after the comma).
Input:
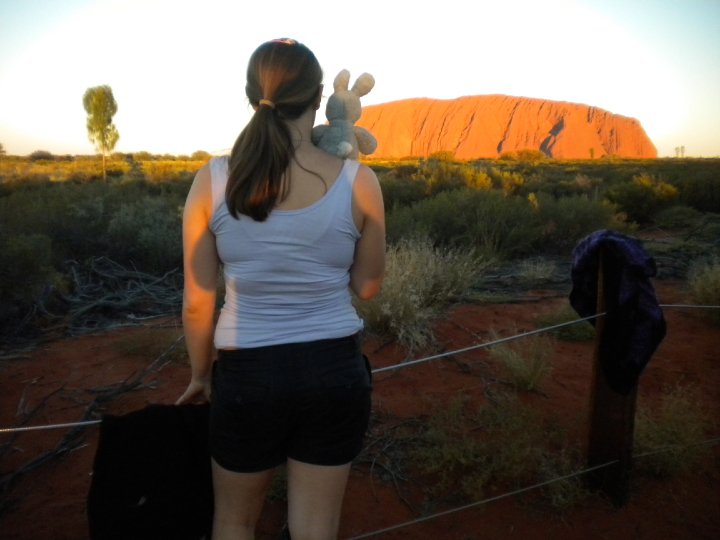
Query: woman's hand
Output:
(198,388)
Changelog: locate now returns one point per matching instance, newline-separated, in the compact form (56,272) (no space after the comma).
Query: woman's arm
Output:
(366,274)
(200,266)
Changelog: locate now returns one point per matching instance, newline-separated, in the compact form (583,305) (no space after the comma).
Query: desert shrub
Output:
(96,219)
(494,225)
(477,179)
(527,155)
(444,174)
(147,234)
(669,436)
(41,155)
(526,361)
(399,191)
(580,184)
(25,271)
(505,227)
(447,449)
(567,220)
(467,449)
(570,491)
(678,217)
(642,198)
(401,224)
(420,281)
(169,170)
(509,182)
(442,155)
(143,156)
(201,155)
(704,283)
(61,169)
(535,270)
(582,331)
(701,192)
(72,216)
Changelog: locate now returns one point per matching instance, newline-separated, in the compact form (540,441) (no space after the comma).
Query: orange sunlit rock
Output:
(488,126)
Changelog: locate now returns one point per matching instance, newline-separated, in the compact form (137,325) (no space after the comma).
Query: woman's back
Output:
(311,174)
(287,277)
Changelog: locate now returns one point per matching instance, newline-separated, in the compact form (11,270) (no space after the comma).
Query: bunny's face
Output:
(343,105)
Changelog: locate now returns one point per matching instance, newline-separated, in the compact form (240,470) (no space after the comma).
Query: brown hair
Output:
(286,77)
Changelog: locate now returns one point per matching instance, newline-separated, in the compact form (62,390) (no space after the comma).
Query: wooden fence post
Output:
(612,415)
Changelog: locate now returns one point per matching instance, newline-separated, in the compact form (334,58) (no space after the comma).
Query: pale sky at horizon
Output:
(177,67)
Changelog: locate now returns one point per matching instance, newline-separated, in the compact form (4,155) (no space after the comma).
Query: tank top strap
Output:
(218,176)
(350,169)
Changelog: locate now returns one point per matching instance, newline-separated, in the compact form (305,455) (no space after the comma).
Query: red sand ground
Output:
(49,502)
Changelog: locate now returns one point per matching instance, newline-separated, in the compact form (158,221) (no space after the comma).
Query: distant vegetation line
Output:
(58,208)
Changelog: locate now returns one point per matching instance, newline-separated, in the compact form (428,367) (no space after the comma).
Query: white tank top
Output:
(286,278)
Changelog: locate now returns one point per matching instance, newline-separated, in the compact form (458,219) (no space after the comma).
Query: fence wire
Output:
(482,502)
(426,359)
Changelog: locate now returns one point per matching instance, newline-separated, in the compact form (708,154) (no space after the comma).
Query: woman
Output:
(295,229)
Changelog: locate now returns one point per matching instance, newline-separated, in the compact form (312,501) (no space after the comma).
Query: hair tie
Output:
(267,103)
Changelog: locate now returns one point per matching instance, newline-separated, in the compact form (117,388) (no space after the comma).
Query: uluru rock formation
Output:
(488,126)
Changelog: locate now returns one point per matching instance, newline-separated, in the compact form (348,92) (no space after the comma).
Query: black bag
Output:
(151,476)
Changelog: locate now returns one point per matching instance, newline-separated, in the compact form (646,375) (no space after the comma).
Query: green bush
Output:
(444,174)
(701,192)
(133,222)
(492,224)
(400,191)
(567,220)
(642,198)
(678,217)
(528,155)
(41,155)
(25,271)
(147,233)
(72,216)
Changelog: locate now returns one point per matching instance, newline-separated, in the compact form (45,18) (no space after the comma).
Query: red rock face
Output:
(487,126)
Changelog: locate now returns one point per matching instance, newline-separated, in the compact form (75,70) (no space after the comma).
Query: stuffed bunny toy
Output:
(340,136)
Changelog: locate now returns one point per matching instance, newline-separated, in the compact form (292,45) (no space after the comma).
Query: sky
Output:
(177,67)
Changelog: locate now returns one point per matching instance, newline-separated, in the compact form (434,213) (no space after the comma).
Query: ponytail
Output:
(257,164)
(283,81)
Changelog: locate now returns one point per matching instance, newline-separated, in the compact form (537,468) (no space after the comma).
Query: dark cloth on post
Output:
(151,475)
(634,324)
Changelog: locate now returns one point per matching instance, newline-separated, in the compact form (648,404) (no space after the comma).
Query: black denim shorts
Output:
(305,401)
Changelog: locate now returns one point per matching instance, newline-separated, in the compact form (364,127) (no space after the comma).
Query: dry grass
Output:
(536,270)
(420,282)
(466,451)
(704,283)
(582,331)
(671,434)
(526,361)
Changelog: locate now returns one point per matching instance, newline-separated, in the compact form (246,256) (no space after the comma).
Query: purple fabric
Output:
(634,324)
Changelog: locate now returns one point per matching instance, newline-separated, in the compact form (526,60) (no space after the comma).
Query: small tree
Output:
(200,155)
(100,106)
(2,150)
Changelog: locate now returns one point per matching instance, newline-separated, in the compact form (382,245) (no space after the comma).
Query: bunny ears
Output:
(362,86)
